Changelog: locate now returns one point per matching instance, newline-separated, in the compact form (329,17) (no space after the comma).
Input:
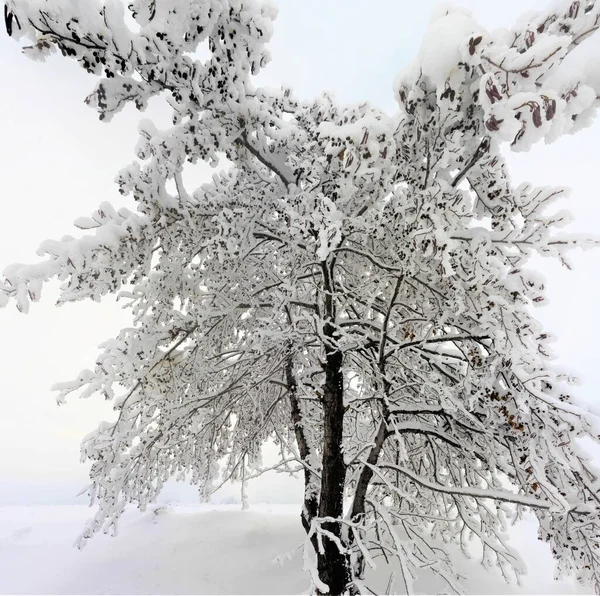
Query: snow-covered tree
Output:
(353,285)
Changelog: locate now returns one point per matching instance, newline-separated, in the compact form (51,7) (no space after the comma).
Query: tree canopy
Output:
(352,285)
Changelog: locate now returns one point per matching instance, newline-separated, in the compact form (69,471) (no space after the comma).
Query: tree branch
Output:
(476,493)
(263,159)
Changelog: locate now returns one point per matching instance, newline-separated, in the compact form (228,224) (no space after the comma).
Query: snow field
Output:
(205,549)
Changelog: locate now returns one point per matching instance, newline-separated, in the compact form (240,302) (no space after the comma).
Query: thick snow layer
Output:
(201,549)
(440,49)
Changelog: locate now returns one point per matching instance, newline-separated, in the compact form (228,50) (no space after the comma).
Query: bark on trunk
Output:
(333,564)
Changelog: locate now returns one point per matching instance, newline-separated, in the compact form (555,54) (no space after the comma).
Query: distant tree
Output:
(353,286)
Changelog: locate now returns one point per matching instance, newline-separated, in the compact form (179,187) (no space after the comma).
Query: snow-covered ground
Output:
(200,549)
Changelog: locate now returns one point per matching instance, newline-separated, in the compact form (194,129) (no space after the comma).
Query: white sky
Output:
(58,162)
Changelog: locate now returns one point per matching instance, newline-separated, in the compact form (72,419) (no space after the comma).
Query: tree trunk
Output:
(333,565)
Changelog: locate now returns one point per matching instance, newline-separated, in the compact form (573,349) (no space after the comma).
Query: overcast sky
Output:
(58,162)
